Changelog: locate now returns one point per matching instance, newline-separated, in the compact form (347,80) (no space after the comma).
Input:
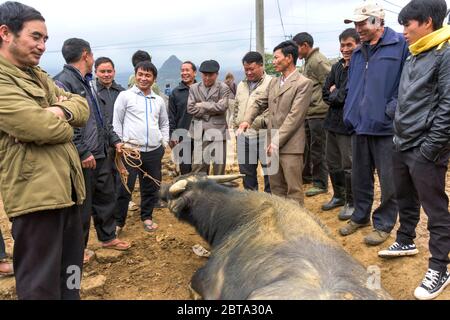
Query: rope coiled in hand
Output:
(132,157)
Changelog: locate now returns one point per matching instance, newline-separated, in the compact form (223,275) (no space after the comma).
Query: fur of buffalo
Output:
(265,248)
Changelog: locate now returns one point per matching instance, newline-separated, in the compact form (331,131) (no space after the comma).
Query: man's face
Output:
(303,51)
(414,31)
(144,80)
(281,62)
(347,47)
(209,79)
(26,48)
(90,60)
(105,74)
(366,30)
(187,73)
(253,71)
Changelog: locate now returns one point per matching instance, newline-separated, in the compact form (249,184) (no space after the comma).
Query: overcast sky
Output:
(192,30)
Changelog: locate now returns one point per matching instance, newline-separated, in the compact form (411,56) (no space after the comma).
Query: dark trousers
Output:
(151,164)
(419,181)
(339,160)
(315,169)
(251,151)
(370,153)
(100,201)
(48,254)
(2,247)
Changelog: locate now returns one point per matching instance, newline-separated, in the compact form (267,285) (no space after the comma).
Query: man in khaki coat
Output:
(287,100)
(208,104)
(41,180)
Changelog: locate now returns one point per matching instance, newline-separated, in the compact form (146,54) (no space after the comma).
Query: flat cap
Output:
(209,66)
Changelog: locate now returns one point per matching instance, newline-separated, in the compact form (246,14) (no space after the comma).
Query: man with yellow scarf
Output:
(422,141)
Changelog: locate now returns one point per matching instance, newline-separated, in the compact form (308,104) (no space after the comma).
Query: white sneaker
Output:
(432,285)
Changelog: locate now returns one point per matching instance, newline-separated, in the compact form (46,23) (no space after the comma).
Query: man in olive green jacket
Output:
(41,180)
(317,68)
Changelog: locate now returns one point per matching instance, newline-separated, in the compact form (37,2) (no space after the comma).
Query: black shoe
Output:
(346,212)
(399,250)
(333,204)
(432,285)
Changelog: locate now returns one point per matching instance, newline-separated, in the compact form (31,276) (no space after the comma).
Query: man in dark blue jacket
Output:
(422,141)
(369,110)
(92,143)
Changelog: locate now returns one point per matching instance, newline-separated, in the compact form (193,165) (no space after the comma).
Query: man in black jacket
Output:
(107,91)
(422,149)
(180,119)
(92,143)
(339,142)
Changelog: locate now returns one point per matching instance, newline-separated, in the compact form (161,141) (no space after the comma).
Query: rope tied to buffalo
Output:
(131,156)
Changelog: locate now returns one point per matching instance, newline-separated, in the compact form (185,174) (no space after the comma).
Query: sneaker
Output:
(376,237)
(315,191)
(432,285)
(351,228)
(399,250)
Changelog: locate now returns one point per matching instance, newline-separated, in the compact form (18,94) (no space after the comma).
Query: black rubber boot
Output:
(338,182)
(347,212)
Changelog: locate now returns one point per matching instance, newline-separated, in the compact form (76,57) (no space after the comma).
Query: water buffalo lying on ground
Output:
(263,247)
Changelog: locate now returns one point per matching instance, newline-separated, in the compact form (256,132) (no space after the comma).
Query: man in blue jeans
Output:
(422,141)
(374,77)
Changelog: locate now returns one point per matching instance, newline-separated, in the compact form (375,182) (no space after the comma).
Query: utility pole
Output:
(260,27)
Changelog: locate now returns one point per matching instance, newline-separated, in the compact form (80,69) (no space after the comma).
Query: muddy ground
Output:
(159,265)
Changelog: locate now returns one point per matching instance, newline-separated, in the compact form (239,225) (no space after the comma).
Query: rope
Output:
(132,157)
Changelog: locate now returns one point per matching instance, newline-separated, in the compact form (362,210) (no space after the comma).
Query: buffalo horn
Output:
(224,179)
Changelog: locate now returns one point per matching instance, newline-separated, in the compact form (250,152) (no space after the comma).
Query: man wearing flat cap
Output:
(374,77)
(208,104)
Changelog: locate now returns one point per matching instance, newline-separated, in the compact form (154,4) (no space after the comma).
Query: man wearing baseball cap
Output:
(374,78)
(208,104)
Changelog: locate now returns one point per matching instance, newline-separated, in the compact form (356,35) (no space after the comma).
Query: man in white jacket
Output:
(141,120)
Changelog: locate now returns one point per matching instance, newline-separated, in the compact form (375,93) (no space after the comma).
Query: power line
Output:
(281,18)
(393,4)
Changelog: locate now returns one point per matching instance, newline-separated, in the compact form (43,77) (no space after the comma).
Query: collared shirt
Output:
(283,79)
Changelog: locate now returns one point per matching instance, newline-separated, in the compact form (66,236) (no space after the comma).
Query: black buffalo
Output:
(264,247)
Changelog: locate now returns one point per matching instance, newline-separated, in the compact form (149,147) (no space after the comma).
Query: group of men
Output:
(383,107)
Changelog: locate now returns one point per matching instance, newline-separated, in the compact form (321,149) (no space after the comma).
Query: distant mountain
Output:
(169,73)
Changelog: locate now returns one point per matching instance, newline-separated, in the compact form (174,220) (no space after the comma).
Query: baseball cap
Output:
(366,10)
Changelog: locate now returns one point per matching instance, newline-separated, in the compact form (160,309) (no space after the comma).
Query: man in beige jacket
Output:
(208,104)
(287,100)
(251,145)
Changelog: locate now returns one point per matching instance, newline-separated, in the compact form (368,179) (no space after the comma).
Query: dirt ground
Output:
(159,265)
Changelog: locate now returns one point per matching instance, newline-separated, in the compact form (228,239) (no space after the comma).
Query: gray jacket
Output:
(423,115)
(208,106)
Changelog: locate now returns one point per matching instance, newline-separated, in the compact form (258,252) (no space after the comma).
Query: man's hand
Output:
(119,147)
(273,148)
(173,144)
(243,128)
(57,111)
(89,163)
